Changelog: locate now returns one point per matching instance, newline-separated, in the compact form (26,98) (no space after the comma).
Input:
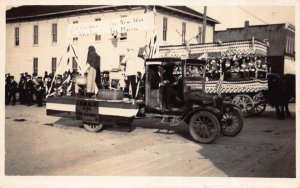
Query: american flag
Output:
(153,44)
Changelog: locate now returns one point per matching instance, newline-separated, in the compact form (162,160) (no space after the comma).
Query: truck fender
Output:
(213,110)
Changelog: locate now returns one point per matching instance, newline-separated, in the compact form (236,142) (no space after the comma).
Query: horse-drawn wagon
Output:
(237,70)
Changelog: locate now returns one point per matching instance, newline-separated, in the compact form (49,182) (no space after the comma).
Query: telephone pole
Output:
(204,25)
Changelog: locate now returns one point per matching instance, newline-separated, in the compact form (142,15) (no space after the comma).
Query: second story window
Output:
(97,36)
(53,65)
(75,39)
(35,34)
(54,33)
(165,28)
(123,34)
(290,45)
(17,36)
(183,32)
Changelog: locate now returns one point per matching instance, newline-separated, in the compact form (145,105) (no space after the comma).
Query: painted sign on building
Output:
(112,26)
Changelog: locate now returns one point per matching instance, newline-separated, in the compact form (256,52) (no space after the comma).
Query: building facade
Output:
(281,40)
(38,38)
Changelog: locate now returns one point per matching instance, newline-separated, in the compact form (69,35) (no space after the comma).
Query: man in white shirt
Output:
(131,60)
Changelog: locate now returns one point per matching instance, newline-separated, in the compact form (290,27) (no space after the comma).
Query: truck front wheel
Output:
(204,127)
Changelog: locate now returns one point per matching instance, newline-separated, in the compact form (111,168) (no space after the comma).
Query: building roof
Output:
(27,12)
(286,25)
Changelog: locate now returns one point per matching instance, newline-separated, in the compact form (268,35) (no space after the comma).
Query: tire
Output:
(245,103)
(204,127)
(259,104)
(232,122)
(90,127)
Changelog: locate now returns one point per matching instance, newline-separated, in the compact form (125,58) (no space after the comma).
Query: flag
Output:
(153,45)
(69,88)
(67,80)
(74,53)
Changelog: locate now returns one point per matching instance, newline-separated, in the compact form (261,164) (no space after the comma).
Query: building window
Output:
(75,39)
(287,45)
(36,34)
(121,57)
(293,46)
(123,35)
(75,22)
(199,36)
(97,37)
(35,66)
(289,48)
(183,32)
(165,28)
(17,36)
(74,64)
(54,33)
(53,65)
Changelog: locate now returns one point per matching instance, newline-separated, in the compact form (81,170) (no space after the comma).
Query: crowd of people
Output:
(33,89)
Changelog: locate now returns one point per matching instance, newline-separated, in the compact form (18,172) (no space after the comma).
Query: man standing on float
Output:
(93,70)
(130,61)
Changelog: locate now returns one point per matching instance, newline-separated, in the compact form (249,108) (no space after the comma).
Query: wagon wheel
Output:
(204,127)
(92,127)
(245,103)
(232,122)
(259,103)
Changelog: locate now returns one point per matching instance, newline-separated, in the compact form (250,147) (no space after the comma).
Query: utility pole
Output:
(204,25)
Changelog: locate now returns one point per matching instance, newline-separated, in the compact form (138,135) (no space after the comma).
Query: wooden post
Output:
(204,25)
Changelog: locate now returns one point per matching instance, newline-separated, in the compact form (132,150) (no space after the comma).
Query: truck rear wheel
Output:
(92,127)
(204,127)
(232,122)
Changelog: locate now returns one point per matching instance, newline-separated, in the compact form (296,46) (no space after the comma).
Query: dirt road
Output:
(43,145)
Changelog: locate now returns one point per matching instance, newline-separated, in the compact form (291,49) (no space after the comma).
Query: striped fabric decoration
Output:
(236,87)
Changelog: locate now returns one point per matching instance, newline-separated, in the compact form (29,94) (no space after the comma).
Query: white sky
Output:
(235,16)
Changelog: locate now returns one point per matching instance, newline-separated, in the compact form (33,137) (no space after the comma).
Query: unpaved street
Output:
(43,145)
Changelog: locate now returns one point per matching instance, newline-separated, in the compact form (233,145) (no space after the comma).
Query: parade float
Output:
(239,68)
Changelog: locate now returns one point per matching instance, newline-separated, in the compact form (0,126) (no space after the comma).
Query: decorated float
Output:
(236,69)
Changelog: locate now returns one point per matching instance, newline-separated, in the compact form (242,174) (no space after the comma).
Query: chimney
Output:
(247,23)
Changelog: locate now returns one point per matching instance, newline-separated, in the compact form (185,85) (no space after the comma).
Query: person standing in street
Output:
(13,88)
(93,61)
(29,90)
(21,89)
(40,91)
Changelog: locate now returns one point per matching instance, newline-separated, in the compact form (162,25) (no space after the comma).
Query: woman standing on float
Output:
(93,70)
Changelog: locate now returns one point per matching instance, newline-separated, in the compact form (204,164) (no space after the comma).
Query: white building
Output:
(37,37)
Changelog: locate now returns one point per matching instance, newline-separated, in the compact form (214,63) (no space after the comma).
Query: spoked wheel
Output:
(245,103)
(204,127)
(259,104)
(91,127)
(232,122)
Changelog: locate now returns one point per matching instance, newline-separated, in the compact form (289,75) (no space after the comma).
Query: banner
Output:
(118,25)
